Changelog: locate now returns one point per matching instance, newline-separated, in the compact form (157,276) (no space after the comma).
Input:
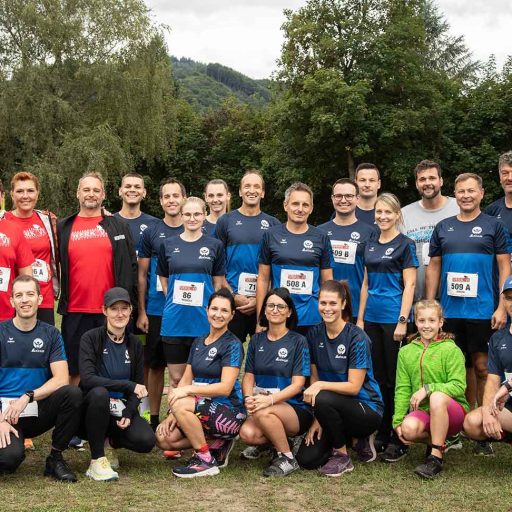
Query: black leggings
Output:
(99,424)
(60,410)
(341,417)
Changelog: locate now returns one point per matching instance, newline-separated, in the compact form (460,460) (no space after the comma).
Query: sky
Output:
(246,35)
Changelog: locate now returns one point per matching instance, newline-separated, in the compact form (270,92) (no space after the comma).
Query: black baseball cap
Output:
(114,295)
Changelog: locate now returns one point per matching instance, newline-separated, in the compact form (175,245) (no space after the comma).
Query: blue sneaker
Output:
(77,443)
(196,467)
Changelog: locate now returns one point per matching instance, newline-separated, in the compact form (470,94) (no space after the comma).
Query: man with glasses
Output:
(348,237)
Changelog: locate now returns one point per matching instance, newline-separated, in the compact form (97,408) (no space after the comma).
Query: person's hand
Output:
(499,319)
(499,400)
(400,332)
(360,324)
(123,423)
(417,398)
(258,402)
(143,322)
(16,407)
(490,424)
(398,431)
(165,428)
(311,392)
(260,328)
(175,394)
(140,390)
(5,434)
(249,307)
(241,300)
(315,429)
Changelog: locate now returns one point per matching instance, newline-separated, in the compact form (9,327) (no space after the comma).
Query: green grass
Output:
(146,483)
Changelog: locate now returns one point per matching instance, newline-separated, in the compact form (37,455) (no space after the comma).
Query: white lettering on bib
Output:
(424,253)
(247,284)
(344,252)
(40,271)
(31,410)
(116,407)
(188,293)
(299,282)
(5,277)
(462,285)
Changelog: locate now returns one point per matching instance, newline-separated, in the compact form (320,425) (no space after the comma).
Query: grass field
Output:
(468,483)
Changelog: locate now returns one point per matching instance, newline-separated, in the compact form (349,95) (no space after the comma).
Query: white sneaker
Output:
(101,471)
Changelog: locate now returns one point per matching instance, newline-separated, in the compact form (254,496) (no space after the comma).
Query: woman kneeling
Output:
(430,382)
(208,400)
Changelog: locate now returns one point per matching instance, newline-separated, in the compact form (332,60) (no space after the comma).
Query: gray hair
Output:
(505,159)
(298,186)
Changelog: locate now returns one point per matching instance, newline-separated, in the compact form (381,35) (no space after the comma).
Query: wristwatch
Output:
(508,386)
(402,319)
(30,395)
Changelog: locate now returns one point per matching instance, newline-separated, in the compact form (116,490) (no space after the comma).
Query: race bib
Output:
(40,271)
(188,293)
(299,282)
(344,252)
(247,284)
(31,410)
(116,407)
(424,253)
(5,276)
(159,284)
(462,285)
(265,391)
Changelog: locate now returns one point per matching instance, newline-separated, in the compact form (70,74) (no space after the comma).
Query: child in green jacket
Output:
(430,404)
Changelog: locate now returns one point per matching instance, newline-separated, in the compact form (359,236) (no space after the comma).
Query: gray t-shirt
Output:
(419,223)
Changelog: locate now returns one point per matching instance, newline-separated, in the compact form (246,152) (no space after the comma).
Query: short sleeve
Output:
(410,259)
(221,231)
(502,243)
(57,351)
(326,258)
(144,249)
(219,264)
(435,244)
(162,268)
(301,360)
(494,365)
(265,256)
(233,354)
(359,355)
(249,360)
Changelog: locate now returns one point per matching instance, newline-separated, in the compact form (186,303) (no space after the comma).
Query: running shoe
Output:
(295,443)
(101,471)
(454,442)
(337,464)
(146,415)
(77,443)
(281,466)
(381,443)
(58,468)
(483,449)
(172,454)
(112,457)
(365,448)
(255,452)
(221,453)
(394,452)
(29,444)
(430,468)
(195,467)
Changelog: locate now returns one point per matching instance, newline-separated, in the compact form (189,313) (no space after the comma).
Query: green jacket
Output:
(440,365)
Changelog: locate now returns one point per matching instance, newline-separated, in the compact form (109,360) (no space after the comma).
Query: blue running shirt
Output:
(207,362)
(351,349)
(149,247)
(190,268)
(366,216)
(296,261)
(241,236)
(468,251)
(274,363)
(347,244)
(209,228)
(500,210)
(138,226)
(25,357)
(385,263)
(115,363)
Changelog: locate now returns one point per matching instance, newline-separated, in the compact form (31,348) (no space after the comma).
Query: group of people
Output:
(349,348)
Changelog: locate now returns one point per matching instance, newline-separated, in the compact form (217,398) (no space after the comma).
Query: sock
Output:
(154,420)
(203,453)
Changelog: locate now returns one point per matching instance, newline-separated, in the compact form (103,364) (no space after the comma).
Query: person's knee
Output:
(473,423)
(438,401)
(247,434)
(73,394)
(411,428)
(98,397)
(11,457)
(480,365)
(146,440)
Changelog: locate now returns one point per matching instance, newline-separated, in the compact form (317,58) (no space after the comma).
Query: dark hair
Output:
(284,294)
(427,164)
(346,181)
(26,279)
(172,181)
(133,175)
(343,291)
(223,293)
(366,165)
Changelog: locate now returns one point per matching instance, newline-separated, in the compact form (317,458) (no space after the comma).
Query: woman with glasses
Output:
(276,369)
(191,267)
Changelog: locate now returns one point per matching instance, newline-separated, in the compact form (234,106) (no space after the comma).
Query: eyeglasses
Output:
(339,197)
(188,215)
(280,307)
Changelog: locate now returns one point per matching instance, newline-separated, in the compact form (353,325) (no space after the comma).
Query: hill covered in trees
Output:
(207,86)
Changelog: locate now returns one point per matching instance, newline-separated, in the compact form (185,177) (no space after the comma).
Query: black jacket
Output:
(89,362)
(125,259)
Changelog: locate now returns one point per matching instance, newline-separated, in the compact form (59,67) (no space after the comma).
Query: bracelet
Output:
(508,386)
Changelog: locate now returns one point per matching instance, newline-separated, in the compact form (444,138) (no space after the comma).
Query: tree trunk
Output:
(351,165)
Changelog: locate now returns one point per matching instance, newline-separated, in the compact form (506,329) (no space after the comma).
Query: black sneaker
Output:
(58,468)
(221,455)
(281,466)
(430,468)
(483,449)
(394,452)
(380,443)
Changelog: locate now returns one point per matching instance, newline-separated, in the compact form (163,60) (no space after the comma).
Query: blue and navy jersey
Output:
(296,261)
(385,263)
(25,357)
(500,354)
(115,363)
(366,216)
(500,210)
(209,227)
(149,247)
(138,226)
(347,244)
(468,251)
(207,362)
(274,363)
(190,268)
(333,359)
(241,236)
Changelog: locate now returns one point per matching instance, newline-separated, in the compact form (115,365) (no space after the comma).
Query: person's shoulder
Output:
(495,207)
(499,336)
(356,333)
(326,226)
(295,337)
(411,207)
(273,221)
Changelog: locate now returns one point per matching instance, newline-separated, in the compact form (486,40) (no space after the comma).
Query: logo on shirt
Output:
(238,223)
(35,231)
(355,235)
(204,252)
(476,232)
(176,250)
(38,345)
(264,224)
(105,352)
(451,228)
(143,227)
(388,253)
(371,249)
(10,340)
(4,240)
(340,352)
(211,353)
(282,354)
(126,357)
(261,349)
(308,246)
(88,234)
(161,235)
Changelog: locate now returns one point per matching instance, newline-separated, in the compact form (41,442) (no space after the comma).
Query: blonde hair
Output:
(391,201)
(430,304)
(193,199)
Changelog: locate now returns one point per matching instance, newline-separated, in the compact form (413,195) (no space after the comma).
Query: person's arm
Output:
(363,298)
(218,282)
(162,269)
(326,275)
(132,400)
(499,318)
(403,390)
(490,423)
(409,278)
(142,277)
(262,286)
(455,370)
(432,277)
